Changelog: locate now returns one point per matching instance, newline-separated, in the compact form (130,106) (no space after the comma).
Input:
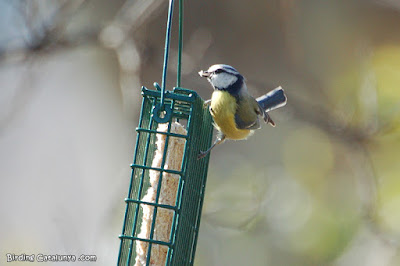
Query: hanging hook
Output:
(180,45)
(161,112)
(166,51)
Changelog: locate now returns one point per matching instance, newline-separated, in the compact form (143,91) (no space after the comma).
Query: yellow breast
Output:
(223,108)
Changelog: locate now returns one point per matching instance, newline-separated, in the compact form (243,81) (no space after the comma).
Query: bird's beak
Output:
(204,74)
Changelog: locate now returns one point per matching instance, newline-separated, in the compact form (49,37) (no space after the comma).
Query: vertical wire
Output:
(166,51)
(131,182)
(140,190)
(179,190)
(180,44)
(203,181)
(158,191)
(178,202)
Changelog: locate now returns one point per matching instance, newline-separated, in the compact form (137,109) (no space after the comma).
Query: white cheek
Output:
(223,80)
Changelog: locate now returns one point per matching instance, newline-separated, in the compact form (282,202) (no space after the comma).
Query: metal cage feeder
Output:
(166,191)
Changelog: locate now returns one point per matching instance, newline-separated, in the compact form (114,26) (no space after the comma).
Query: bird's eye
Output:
(218,71)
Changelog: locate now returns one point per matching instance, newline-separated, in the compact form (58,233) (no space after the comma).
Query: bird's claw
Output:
(201,155)
(206,103)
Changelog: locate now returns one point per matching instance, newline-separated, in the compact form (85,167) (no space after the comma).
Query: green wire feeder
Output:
(166,190)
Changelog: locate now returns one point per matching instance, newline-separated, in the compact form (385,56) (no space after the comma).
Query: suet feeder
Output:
(166,190)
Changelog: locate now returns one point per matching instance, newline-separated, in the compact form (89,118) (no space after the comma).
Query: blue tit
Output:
(235,112)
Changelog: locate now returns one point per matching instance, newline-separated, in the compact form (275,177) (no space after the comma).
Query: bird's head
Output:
(224,77)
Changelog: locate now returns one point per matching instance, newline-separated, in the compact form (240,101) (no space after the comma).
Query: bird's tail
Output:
(272,100)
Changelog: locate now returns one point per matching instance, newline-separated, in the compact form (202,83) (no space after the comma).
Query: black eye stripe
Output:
(218,71)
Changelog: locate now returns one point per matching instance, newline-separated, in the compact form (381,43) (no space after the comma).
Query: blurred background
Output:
(322,188)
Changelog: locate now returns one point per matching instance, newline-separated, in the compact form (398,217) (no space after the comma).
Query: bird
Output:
(235,112)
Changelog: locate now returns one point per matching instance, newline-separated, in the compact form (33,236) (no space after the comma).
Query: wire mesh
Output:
(186,108)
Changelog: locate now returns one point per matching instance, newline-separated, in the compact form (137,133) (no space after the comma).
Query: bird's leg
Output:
(219,140)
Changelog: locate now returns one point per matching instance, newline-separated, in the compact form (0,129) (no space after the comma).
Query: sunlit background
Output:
(322,188)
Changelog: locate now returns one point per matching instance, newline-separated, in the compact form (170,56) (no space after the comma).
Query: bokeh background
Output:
(322,188)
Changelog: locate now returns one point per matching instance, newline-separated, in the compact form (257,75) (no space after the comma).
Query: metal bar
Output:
(166,51)
(202,194)
(131,181)
(180,187)
(170,95)
(140,187)
(151,204)
(156,169)
(189,186)
(161,132)
(153,222)
(151,241)
(180,45)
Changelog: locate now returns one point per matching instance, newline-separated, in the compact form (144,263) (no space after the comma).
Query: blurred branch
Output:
(54,27)
(43,37)
(50,34)
(132,15)
(47,35)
